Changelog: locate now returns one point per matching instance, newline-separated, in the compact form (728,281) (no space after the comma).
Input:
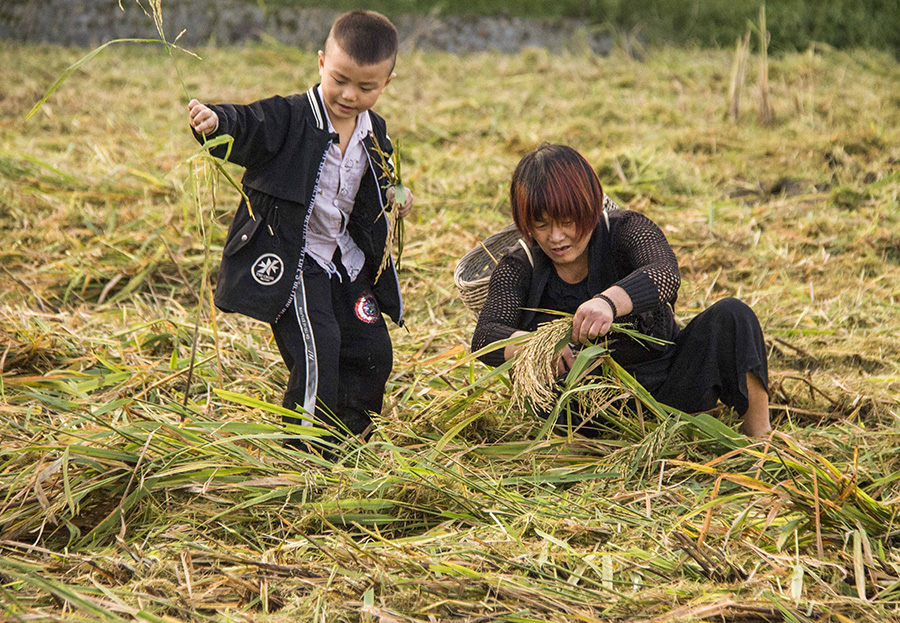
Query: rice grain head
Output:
(534,373)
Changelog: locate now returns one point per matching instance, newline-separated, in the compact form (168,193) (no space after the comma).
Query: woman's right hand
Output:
(565,361)
(511,350)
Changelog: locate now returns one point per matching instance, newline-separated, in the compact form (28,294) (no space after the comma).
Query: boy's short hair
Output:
(555,182)
(367,37)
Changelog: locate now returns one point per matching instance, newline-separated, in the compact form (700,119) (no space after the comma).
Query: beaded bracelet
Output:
(609,302)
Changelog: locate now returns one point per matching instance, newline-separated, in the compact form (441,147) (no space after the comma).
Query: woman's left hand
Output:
(592,319)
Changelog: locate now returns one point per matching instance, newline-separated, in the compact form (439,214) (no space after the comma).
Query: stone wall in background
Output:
(87,23)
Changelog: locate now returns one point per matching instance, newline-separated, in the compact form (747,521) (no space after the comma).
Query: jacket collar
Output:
(318,108)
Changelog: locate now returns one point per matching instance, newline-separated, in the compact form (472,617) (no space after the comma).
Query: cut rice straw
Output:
(535,376)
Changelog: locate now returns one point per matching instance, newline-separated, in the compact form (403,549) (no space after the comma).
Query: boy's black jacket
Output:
(282,141)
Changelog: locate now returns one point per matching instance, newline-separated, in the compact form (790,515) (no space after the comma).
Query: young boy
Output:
(305,260)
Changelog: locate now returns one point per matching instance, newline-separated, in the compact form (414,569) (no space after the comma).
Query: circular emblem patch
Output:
(267,269)
(366,308)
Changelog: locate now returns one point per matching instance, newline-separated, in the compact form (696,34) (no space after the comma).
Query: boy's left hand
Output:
(406,208)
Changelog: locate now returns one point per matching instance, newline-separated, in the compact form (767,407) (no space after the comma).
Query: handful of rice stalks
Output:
(390,174)
(534,374)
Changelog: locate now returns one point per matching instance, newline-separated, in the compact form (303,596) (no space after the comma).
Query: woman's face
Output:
(561,242)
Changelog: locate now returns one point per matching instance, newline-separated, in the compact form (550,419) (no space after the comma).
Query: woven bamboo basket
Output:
(474,270)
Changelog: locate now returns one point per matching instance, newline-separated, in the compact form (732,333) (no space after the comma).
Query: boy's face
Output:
(349,88)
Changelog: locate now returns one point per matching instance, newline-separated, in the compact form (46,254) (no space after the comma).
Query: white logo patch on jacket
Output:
(268,269)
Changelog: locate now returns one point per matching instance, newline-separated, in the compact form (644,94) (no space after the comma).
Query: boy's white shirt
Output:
(335,196)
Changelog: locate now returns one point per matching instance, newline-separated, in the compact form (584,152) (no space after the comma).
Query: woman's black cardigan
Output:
(631,252)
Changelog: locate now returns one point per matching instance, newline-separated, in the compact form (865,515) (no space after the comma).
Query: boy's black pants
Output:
(337,347)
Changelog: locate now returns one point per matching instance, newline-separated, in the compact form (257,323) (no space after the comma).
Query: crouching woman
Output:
(604,265)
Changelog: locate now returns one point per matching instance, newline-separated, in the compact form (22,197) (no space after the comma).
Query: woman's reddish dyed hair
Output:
(555,182)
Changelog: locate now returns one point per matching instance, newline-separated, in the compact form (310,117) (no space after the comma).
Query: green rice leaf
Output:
(77,64)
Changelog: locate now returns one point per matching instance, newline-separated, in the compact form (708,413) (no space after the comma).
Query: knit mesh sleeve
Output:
(502,311)
(654,278)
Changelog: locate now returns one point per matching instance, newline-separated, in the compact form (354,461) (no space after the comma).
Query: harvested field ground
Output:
(120,499)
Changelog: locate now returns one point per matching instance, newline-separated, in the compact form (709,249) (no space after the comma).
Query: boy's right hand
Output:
(203,119)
